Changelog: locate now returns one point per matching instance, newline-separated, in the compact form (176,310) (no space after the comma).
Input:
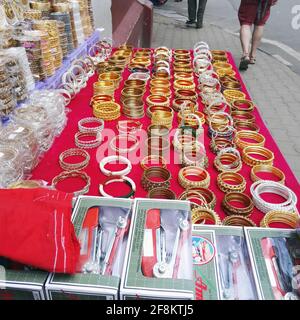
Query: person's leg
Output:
(200,13)
(192,7)
(245,37)
(256,39)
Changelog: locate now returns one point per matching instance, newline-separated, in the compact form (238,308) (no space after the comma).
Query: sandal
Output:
(244,63)
(252,60)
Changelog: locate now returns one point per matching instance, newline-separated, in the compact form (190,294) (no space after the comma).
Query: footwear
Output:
(244,63)
(189,23)
(252,60)
(199,25)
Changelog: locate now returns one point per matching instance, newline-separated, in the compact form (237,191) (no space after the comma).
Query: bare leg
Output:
(256,39)
(245,37)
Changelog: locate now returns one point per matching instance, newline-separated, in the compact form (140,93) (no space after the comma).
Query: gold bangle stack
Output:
(160,83)
(265,153)
(204,196)
(267,169)
(100,98)
(107,111)
(158,162)
(241,198)
(229,85)
(257,140)
(201,214)
(192,122)
(184,84)
(201,174)
(160,91)
(227,162)
(161,193)
(189,105)
(288,218)
(135,83)
(131,92)
(238,221)
(186,94)
(106,87)
(231,182)
(150,110)
(157,100)
(231,95)
(156,172)
(164,118)
(242,116)
(184,76)
(219,143)
(133,108)
(244,126)
(242,105)
(111,76)
(146,62)
(157,131)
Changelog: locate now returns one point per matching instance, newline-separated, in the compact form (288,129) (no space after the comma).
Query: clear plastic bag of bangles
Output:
(103,237)
(23,139)
(53,102)
(235,275)
(37,118)
(167,244)
(11,166)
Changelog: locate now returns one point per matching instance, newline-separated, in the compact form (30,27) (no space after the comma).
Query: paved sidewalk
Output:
(272,85)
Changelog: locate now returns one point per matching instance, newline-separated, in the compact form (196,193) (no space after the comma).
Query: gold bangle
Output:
(160,91)
(231,95)
(243,116)
(142,60)
(204,197)
(228,85)
(267,154)
(288,218)
(107,111)
(242,105)
(135,83)
(157,100)
(150,110)
(158,130)
(231,182)
(133,108)
(222,65)
(186,94)
(161,83)
(184,84)
(111,76)
(161,193)
(238,221)
(131,92)
(155,172)
(201,214)
(159,161)
(244,126)
(267,169)
(202,174)
(219,143)
(256,139)
(184,76)
(227,162)
(242,198)
(189,105)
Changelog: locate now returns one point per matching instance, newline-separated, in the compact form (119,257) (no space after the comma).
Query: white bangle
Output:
(110,159)
(125,179)
(266,186)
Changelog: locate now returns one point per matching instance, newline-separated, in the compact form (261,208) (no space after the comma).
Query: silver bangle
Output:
(90,143)
(84,129)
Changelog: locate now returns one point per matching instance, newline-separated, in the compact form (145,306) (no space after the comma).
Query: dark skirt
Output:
(248,13)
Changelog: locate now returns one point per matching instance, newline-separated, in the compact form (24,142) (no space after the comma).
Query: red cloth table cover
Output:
(49,167)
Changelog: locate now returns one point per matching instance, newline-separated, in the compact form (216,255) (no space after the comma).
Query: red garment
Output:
(248,12)
(36,229)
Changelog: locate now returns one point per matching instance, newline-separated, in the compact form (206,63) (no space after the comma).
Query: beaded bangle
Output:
(186,183)
(242,198)
(266,154)
(289,218)
(161,193)
(85,129)
(74,166)
(238,221)
(87,144)
(203,214)
(73,174)
(158,161)
(200,197)
(124,137)
(155,172)
(231,182)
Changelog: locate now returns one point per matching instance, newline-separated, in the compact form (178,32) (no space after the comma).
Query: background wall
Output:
(102,16)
